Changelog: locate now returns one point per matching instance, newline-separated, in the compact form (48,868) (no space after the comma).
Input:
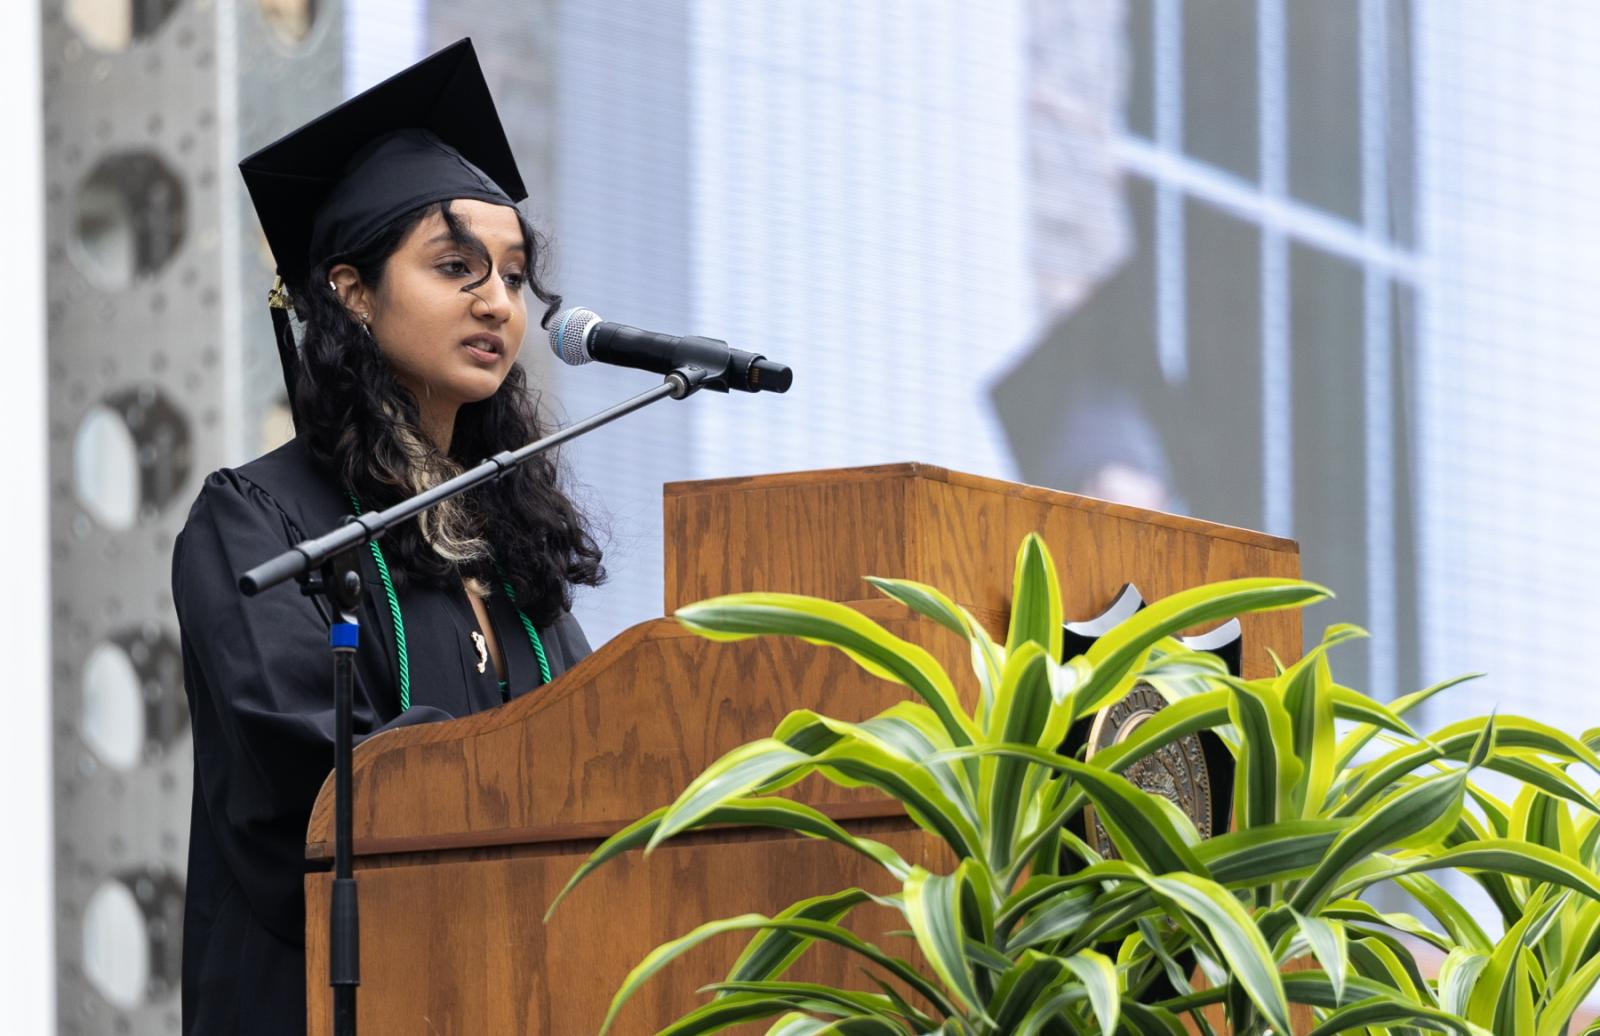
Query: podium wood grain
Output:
(465,830)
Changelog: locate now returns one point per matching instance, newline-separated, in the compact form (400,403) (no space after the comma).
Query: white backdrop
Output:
(27,954)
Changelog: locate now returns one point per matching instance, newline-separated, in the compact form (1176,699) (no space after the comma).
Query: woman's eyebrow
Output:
(470,241)
(465,239)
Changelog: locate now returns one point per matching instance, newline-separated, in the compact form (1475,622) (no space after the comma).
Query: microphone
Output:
(579,335)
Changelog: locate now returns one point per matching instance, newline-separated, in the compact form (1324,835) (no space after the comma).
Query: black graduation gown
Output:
(257,672)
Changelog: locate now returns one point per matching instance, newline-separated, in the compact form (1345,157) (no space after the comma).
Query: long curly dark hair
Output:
(363,425)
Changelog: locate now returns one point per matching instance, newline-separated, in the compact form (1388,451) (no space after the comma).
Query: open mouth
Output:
(486,347)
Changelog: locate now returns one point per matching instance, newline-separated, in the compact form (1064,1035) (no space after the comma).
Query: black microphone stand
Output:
(329,566)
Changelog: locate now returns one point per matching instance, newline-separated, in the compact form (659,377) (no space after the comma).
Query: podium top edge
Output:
(910,470)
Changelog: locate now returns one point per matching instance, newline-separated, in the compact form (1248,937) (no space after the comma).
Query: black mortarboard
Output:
(426,134)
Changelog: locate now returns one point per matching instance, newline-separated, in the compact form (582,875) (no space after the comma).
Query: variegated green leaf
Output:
(1496,1000)
(1059,916)
(1377,955)
(664,954)
(860,761)
(1265,780)
(1326,939)
(885,753)
(911,730)
(1177,720)
(1142,1020)
(869,645)
(987,656)
(1389,1010)
(1140,829)
(1236,937)
(932,905)
(1024,713)
(813,996)
(1308,701)
(770,953)
(1457,975)
(1355,911)
(776,813)
(1114,655)
(1496,814)
(1457,741)
(733,776)
(1413,811)
(1557,1013)
(725,1013)
(1099,978)
(1276,852)
(1502,856)
(1581,936)
(1023,988)
(1352,743)
(1035,600)
(805,1025)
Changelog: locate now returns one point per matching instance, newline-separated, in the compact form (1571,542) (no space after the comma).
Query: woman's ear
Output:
(346,283)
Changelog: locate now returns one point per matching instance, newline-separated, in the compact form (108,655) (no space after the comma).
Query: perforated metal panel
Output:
(161,369)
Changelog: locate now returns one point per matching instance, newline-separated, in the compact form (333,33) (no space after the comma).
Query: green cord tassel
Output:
(527,624)
(402,658)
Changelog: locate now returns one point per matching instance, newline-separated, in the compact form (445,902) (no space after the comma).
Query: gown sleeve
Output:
(259,679)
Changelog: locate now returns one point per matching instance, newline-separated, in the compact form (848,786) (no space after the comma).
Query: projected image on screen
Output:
(1244,362)
(1296,267)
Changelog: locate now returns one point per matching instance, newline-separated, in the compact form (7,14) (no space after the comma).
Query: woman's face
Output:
(448,342)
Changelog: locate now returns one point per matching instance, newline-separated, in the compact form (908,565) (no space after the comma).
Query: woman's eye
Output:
(454,267)
(515,280)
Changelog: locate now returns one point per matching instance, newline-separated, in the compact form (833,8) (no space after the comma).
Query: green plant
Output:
(1015,945)
(1533,978)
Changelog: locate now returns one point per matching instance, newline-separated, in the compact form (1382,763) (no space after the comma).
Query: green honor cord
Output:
(527,624)
(402,658)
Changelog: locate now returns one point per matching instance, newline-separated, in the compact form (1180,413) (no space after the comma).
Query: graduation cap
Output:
(424,135)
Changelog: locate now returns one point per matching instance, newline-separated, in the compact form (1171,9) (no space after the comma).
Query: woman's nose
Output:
(493,301)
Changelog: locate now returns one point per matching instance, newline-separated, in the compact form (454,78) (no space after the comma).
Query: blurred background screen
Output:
(1312,268)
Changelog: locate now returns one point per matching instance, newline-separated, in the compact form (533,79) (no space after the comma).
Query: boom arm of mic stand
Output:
(309,556)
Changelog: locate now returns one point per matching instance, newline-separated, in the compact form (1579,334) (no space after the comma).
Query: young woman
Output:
(394,223)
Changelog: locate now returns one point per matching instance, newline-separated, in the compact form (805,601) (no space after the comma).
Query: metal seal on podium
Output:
(1194,772)
(1177,771)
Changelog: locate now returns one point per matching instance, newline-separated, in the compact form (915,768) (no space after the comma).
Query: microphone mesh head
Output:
(568,330)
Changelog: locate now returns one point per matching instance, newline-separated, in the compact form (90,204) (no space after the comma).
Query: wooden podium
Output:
(465,831)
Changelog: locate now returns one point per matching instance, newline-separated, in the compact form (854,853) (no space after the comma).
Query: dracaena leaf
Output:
(987,656)
(869,645)
(1563,1003)
(1457,975)
(770,953)
(1306,694)
(1024,713)
(1326,940)
(1413,813)
(725,1012)
(770,812)
(1234,933)
(932,905)
(1115,655)
(734,775)
(1268,771)
(1499,856)
(1035,600)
